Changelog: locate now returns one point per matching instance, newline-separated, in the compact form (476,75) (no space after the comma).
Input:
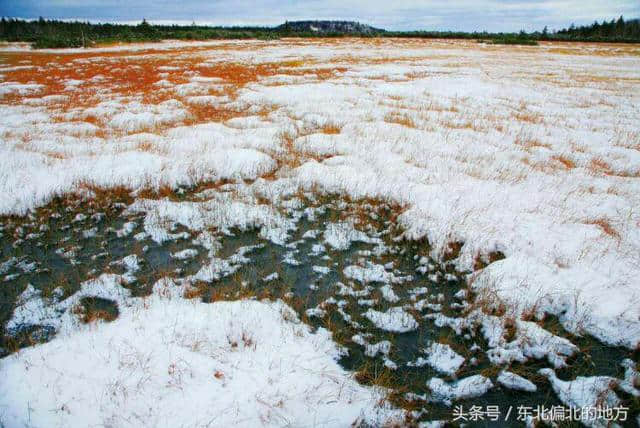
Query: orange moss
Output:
(568,163)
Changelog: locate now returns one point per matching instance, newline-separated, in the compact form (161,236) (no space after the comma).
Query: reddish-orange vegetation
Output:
(400,119)
(330,128)
(529,142)
(599,165)
(528,116)
(568,163)
(136,74)
(606,227)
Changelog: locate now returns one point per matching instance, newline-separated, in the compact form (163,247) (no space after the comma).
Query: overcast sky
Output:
(467,15)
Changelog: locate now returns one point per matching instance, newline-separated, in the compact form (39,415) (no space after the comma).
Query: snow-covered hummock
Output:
(219,211)
(388,294)
(173,362)
(131,263)
(513,381)
(215,269)
(370,273)
(631,382)
(531,341)
(127,229)
(441,357)
(289,258)
(345,290)
(316,312)
(322,270)
(395,320)
(594,391)
(189,253)
(425,304)
(34,309)
(340,235)
(271,277)
(371,350)
(468,387)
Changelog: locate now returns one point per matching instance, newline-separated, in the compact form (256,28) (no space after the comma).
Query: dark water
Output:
(300,286)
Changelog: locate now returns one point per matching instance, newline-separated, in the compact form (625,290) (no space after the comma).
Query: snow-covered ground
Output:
(173,362)
(533,152)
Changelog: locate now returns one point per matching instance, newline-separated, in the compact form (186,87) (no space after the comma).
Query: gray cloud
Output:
(467,15)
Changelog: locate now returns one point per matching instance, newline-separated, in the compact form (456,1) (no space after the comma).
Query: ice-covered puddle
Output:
(398,319)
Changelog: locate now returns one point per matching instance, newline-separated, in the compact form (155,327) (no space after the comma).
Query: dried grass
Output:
(400,118)
(330,128)
(606,227)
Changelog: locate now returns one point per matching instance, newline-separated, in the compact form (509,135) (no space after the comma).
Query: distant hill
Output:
(324,27)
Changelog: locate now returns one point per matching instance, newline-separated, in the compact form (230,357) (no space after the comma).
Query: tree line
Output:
(616,30)
(44,33)
(63,34)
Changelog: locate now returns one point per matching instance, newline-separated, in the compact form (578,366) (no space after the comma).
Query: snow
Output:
(345,290)
(90,233)
(131,263)
(316,312)
(215,269)
(211,100)
(371,350)
(394,320)
(271,277)
(322,270)
(432,424)
(468,387)
(631,383)
(424,303)
(585,392)
(371,272)
(17,88)
(532,341)
(340,235)
(189,253)
(513,381)
(388,294)
(33,309)
(219,211)
(441,357)
(173,356)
